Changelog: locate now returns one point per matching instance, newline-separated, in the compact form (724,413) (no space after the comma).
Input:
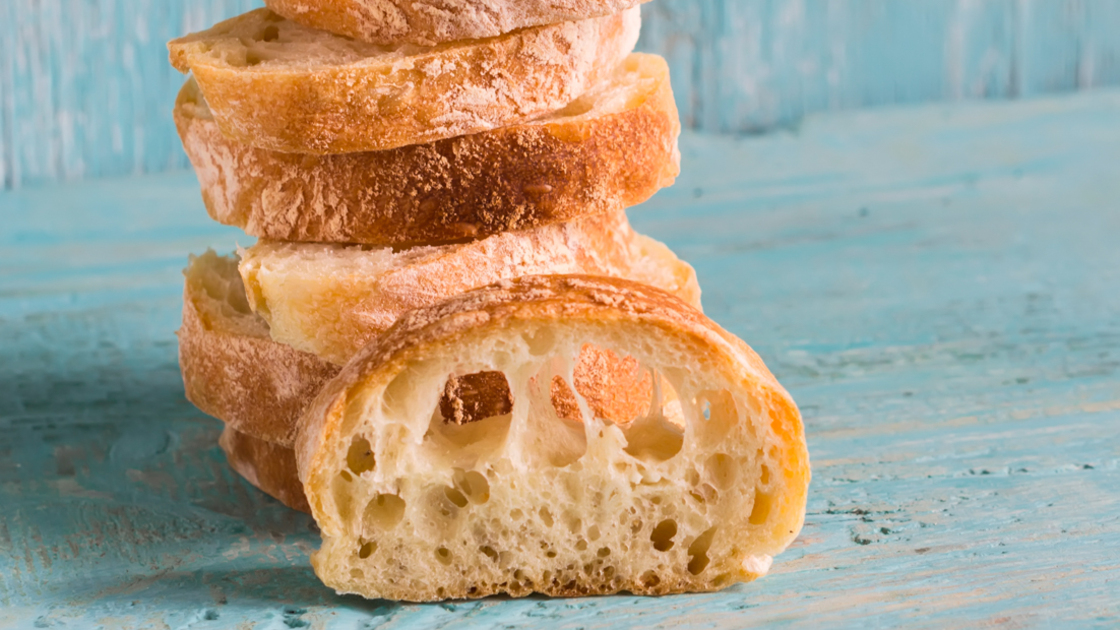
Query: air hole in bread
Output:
(603,552)
(359,458)
(464,445)
(455,497)
(658,435)
(722,470)
(343,495)
(719,410)
(443,554)
(556,440)
(698,551)
(252,59)
(593,533)
(765,477)
(662,535)
(650,579)
(475,397)
(270,34)
(367,549)
(615,387)
(382,512)
(473,485)
(546,517)
(489,552)
(581,545)
(763,503)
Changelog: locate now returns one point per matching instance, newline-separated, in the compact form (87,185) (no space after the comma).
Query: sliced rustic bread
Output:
(426,23)
(232,370)
(610,149)
(331,300)
(414,508)
(275,84)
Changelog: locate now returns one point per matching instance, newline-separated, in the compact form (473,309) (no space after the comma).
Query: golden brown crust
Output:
(268,466)
(473,186)
(509,308)
(367,99)
(250,382)
(433,21)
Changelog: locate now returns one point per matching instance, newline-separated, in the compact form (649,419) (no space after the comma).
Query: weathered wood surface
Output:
(86,90)
(938,288)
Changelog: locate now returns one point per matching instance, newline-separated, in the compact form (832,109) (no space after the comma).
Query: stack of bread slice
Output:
(448,344)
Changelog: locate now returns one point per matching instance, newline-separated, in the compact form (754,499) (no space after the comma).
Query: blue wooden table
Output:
(938,287)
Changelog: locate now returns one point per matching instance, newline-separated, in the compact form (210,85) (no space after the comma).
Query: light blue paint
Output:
(936,286)
(86,90)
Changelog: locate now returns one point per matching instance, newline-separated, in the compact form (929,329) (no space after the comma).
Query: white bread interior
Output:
(412,507)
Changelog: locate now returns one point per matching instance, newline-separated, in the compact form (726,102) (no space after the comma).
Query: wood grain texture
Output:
(751,65)
(936,286)
(86,90)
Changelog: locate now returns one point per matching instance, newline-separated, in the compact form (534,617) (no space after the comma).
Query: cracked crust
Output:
(611,149)
(277,85)
(426,22)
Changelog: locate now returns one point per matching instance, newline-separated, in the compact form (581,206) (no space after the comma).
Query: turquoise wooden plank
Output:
(85,89)
(937,286)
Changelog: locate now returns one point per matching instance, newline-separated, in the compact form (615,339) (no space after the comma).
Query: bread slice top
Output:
(611,149)
(407,21)
(276,84)
(529,501)
(331,300)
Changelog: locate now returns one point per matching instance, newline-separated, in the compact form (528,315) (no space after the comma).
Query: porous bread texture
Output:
(268,466)
(429,22)
(231,368)
(330,300)
(275,84)
(610,149)
(413,508)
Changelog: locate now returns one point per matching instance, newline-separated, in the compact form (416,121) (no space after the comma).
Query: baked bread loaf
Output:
(330,300)
(275,84)
(412,507)
(232,370)
(610,149)
(426,23)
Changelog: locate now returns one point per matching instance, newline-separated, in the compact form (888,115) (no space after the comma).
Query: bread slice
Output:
(414,508)
(232,369)
(268,466)
(330,300)
(426,23)
(275,84)
(611,149)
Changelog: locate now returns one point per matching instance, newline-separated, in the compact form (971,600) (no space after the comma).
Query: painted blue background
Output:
(86,90)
